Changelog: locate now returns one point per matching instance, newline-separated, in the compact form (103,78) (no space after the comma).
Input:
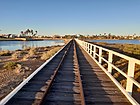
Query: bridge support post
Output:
(100,55)
(110,58)
(131,70)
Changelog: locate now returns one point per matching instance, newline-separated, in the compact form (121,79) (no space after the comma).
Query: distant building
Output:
(1,35)
(8,35)
(12,35)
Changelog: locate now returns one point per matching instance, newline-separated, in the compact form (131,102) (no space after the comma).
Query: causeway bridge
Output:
(75,75)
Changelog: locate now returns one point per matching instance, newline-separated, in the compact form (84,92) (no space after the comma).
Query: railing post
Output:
(100,55)
(110,59)
(94,55)
(87,47)
(131,70)
(91,50)
(83,45)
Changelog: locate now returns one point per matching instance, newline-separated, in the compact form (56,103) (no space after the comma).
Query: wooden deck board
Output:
(101,90)
(97,86)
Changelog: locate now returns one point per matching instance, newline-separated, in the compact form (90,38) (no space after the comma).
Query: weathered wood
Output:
(65,89)
(98,88)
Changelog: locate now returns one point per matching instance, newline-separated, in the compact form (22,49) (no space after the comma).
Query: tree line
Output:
(28,32)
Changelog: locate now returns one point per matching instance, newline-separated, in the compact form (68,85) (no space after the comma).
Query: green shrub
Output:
(25,57)
(16,55)
(48,54)
(32,51)
(10,65)
(5,53)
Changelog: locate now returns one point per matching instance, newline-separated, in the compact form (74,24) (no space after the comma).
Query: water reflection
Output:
(14,45)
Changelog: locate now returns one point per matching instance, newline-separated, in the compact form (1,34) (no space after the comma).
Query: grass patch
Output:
(48,54)
(32,51)
(10,65)
(5,53)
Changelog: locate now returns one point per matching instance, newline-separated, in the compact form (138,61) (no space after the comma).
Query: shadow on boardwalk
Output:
(98,88)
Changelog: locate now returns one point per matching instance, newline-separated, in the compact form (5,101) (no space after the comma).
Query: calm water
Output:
(118,41)
(14,45)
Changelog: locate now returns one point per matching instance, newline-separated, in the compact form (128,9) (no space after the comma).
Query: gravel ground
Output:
(9,79)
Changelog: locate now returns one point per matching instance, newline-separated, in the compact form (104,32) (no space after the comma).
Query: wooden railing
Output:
(91,50)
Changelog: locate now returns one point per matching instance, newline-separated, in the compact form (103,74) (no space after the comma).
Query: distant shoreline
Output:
(27,39)
(112,39)
(132,50)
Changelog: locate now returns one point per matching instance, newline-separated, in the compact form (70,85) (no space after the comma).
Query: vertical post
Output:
(91,49)
(110,59)
(81,44)
(87,46)
(84,45)
(94,53)
(100,55)
(131,69)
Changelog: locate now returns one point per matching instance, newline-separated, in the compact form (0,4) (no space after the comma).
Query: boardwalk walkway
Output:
(97,86)
(65,88)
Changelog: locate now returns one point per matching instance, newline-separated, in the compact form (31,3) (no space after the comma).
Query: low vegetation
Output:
(17,65)
(5,53)
(48,54)
(16,55)
(32,51)
(132,50)
(10,65)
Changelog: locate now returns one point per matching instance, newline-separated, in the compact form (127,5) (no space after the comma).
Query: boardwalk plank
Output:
(98,87)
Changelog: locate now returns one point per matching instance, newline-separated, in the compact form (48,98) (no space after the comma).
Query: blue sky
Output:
(48,17)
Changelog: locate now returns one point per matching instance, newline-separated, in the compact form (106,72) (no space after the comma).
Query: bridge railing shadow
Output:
(94,90)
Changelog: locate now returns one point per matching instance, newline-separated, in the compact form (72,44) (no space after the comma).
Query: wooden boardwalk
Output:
(65,87)
(97,86)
